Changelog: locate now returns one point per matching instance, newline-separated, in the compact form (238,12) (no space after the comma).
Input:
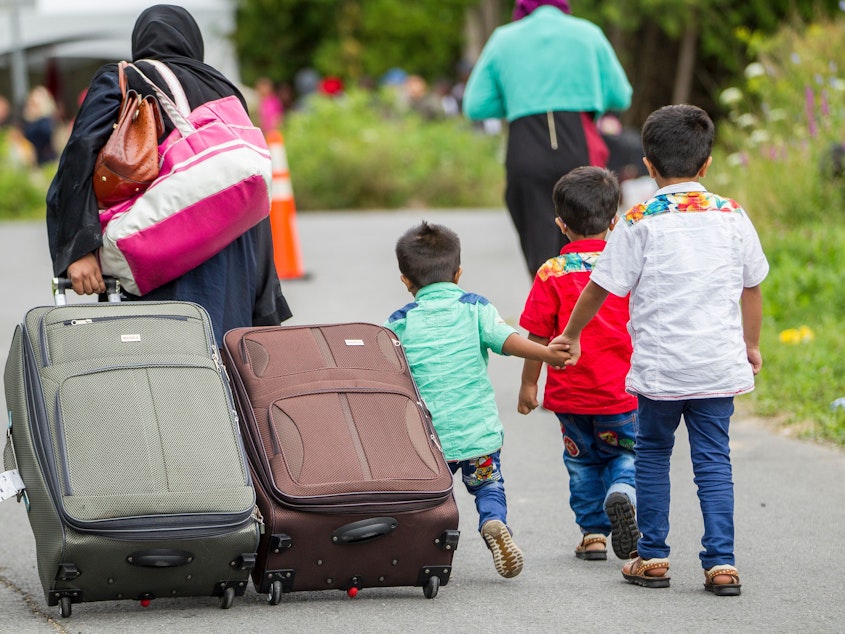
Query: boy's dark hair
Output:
(677,140)
(429,253)
(586,199)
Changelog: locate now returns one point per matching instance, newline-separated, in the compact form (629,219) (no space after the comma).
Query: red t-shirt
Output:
(596,384)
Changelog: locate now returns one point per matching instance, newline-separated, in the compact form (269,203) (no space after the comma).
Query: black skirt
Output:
(542,148)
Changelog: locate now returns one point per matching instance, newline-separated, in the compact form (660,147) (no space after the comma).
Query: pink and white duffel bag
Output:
(215,184)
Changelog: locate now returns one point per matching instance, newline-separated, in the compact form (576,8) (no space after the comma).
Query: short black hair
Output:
(677,140)
(586,199)
(429,253)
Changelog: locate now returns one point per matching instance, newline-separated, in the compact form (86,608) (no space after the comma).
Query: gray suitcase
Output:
(124,431)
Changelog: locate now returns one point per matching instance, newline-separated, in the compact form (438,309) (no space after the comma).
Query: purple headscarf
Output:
(524,7)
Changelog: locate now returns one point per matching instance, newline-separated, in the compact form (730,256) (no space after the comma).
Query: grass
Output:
(804,331)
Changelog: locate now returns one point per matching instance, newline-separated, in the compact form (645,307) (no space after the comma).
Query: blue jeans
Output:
(707,422)
(483,478)
(598,451)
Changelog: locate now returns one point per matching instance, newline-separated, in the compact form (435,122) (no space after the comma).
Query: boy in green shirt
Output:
(447,333)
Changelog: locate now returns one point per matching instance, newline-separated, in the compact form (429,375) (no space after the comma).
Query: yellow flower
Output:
(795,336)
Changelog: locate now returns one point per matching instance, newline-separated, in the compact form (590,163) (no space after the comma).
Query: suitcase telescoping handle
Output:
(61,284)
(364,530)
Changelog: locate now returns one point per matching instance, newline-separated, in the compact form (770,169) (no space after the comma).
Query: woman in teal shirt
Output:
(550,75)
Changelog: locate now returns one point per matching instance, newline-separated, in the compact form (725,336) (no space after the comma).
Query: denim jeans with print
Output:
(598,451)
(707,422)
(483,478)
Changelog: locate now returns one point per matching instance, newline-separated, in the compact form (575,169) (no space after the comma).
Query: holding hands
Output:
(569,346)
(555,354)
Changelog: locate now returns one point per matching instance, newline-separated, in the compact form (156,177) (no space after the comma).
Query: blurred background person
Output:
(270,107)
(39,123)
(5,113)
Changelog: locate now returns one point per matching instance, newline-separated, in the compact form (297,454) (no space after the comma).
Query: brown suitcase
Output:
(348,472)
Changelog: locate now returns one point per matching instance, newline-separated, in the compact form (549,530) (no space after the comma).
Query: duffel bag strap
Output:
(172,110)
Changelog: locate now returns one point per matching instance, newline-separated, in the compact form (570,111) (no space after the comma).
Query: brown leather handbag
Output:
(129,160)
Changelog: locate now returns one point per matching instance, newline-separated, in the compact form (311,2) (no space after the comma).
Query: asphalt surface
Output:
(790,508)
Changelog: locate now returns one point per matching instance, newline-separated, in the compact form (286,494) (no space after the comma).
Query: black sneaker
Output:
(623,524)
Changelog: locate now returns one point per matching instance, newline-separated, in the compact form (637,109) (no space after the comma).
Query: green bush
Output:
(22,190)
(361,152)
(775,145)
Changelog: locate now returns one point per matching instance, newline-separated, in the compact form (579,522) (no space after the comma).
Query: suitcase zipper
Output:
(93,320)
(45,353)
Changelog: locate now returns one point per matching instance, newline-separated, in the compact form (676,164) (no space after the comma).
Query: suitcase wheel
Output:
(227,599)
(431,587)
(275,594)
(65,608)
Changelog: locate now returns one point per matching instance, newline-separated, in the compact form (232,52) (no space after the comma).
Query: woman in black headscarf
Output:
(238,286)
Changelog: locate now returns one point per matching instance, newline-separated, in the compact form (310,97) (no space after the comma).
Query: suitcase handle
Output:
(364,530)
(61,284)
(160,558)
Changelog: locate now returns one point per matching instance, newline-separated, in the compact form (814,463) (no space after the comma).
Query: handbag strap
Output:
(173,111)
(121,77)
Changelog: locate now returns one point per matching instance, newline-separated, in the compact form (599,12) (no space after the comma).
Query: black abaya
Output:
(238,286)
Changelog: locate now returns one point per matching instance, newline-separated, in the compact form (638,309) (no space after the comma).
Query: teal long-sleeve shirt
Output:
(547,61)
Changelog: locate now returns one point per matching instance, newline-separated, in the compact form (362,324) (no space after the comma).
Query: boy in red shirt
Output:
(597,416)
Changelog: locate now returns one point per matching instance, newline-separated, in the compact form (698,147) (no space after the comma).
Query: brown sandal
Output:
(592,555)
(729,589)
(637,571)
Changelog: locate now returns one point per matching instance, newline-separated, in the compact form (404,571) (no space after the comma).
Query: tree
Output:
(672,50)
(351,39)
(677,51)
(276,38)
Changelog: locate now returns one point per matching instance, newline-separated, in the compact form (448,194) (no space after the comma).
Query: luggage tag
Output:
(11,485)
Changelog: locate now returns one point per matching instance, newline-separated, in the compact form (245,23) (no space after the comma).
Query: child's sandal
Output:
(637,571)
(595,554)
(724,588)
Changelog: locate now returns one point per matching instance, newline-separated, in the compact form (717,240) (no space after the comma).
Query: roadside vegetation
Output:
(22,189)
(779,156)
(363,151)
(779,153)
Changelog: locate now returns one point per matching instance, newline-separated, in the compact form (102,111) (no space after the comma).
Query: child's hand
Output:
(570,346)
(754,358)
(558,356)
(527,398)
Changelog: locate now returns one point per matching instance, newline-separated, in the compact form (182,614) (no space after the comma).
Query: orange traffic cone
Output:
(286,250)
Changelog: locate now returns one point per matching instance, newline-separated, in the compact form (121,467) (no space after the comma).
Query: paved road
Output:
(790,508)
